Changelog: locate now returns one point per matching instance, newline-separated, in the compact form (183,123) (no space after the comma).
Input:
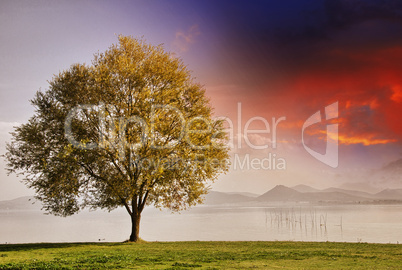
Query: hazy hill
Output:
(390,194)
(280,193)
(334,196)
(247,194)
(21,203)
(286,194)
(361,186)
(350,192)
(215,197)
(305,188)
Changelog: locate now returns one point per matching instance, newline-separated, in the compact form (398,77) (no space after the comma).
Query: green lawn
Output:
(201,255)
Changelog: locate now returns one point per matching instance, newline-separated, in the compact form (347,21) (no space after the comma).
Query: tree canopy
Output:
(133,128)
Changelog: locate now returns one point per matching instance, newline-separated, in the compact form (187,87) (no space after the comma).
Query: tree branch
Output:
(93,174)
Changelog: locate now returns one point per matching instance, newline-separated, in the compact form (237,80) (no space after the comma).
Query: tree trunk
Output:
(135,229)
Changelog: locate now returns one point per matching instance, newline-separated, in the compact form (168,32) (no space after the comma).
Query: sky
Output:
(264,64)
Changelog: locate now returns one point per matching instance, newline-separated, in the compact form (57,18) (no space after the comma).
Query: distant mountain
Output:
(247,194)
(285,194)
(335,196)
(215,197)
(350,192)
(280,193)
(302,193)
(305,188)
(21,203)
(390,194)
(361,186)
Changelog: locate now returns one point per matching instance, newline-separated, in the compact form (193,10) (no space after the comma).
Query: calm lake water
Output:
(346,223)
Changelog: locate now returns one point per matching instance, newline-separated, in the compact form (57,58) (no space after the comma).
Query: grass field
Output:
(201,255)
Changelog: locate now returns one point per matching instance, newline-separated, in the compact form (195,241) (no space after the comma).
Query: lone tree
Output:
(129,130)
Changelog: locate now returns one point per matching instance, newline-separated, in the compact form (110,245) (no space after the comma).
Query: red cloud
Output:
(368,86)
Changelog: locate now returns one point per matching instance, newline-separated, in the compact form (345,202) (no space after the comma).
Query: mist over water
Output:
(341,223)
